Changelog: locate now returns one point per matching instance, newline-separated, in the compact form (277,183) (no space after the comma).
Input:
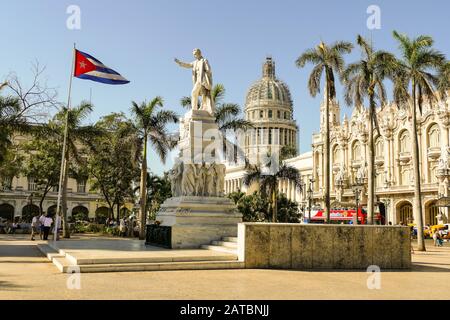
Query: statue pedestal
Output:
(195,221)
(198,212)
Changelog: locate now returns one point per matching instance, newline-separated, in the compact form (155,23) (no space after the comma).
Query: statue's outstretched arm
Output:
(183,64)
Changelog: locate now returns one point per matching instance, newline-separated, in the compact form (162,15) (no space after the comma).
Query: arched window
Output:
(404,141)
(434,136)
(336,155)
(356,151)
(405,213)
(379,147)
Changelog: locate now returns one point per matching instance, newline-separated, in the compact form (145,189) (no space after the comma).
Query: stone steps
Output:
(219,248)
(65,266)
(230,239)
(227,245)
(67,262)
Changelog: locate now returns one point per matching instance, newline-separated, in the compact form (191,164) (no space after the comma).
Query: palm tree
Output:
(444,79)
(418,61)
(151,126)
(326,59)
(77,135)
(364,79)
(268,183)
(9,121)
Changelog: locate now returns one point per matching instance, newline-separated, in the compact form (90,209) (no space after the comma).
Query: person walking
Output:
(41,225)
(48,221)
(122,227)
(35,226)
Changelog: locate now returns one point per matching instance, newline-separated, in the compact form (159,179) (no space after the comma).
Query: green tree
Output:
(44,165)
(327,60)
(287,152)
(159,190)
(9,110)
(415,71)
(78,137)
(114,160)
(254,208)
(268,183)
(151,127)
(287,210)
(364,79)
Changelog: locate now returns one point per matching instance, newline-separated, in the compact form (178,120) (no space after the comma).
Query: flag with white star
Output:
(89,68)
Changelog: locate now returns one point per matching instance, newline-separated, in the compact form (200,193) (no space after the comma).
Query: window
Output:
(81,186)
(404,142)
(55,188)
(379,147)
(261,114)
(434,137)
(279,114)
(32,186)
(270,114)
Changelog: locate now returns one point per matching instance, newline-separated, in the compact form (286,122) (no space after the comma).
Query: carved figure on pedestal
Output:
(220,175)
(188,183)
(210,180)
(175,177)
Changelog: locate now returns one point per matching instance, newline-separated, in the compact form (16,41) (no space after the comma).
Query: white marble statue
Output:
(202,81)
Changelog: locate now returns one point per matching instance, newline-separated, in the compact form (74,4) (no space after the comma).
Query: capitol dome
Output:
(269,108)
(269,90)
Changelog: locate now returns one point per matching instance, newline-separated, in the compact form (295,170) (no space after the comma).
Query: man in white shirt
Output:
(35,226)
(48,221)
(41,227)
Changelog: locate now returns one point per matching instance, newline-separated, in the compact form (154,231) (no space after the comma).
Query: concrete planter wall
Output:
(298,246)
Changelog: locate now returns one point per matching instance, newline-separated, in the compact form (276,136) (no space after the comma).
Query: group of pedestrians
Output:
(42,225)
(10,227)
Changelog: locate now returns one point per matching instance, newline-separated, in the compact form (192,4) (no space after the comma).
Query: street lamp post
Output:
(357,188)
(310,195)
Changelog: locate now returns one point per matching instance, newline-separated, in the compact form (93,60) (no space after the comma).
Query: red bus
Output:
(338,216)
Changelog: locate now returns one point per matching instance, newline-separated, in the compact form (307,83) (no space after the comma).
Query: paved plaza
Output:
(26,274)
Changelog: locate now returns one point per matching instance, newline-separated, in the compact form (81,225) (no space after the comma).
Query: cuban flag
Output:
(89,68)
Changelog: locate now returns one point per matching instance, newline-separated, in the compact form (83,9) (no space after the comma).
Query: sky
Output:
(140,39)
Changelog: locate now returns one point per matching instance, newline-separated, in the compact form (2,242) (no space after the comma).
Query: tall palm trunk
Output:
(327,153)
(65,225)
(371,169)
(143,189)
(274,206)
(417,182)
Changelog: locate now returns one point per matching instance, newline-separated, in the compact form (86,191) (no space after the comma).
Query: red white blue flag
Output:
(89,68)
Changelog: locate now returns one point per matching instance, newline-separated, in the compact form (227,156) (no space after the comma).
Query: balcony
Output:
(405,157)
(379,160)
(434,153)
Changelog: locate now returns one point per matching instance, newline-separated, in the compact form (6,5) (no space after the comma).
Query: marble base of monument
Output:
(196,221)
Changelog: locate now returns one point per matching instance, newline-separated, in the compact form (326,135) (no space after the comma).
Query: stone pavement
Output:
(26,274)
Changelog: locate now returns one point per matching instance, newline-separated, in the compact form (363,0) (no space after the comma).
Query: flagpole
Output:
(63,157)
